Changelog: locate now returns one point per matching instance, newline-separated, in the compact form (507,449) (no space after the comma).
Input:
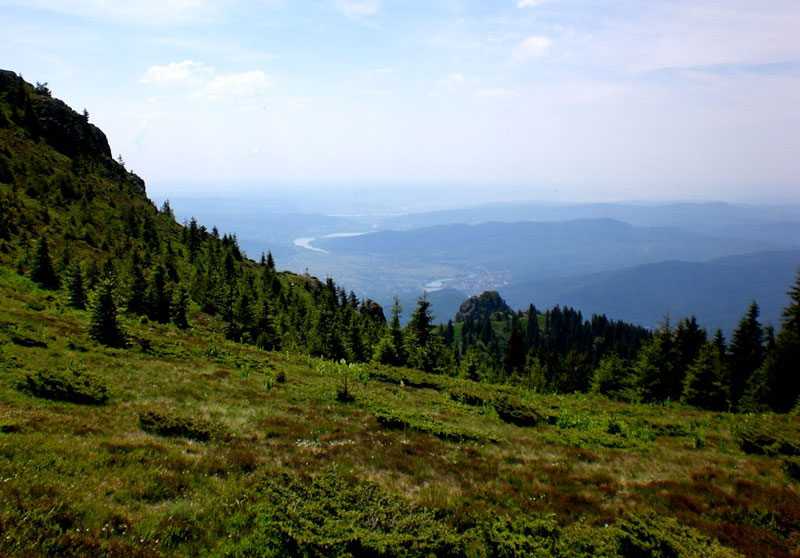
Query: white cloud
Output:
(245,84)
(186,72)
(533,47)
(206,82)
(358,10)
(529,3)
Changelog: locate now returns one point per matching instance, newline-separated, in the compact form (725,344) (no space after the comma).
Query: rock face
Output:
(486,304)
(374,311)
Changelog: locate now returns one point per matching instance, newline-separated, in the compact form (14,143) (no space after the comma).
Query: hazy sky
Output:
(558,99)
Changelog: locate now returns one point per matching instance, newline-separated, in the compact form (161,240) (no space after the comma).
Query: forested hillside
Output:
(161,393)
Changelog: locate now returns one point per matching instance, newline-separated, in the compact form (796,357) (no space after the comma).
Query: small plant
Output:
(344,390)
(211,352)
(72,385)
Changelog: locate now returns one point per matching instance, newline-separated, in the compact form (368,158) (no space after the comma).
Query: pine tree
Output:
(180,306)
(420,348)
(42,270)
(159,297)
(103,321)
(777,383)
(136,302)
(613,377)
(397,333)
(514,354)
(654,366)
(76,291)
(705,383)
(746,353)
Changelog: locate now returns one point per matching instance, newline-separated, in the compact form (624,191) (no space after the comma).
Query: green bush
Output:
(514,411)
(468,397)
(411,378)
(74,386)
(428,425)
(664,537)
(769,438)
(170,424)
(334,516)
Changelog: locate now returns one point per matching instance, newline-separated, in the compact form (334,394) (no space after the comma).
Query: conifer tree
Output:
(42,270)
(397,333)
(159,298)
(777,384)
(267,337)
(654,366)
(705,384)
(136,302)
(612,377)
(514,354)
(180,306)
(103,321)
(76,291)
(746,353)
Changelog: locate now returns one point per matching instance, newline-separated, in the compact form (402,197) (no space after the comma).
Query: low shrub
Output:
(769,438)
(428,425)
(170,424)
(411,378)
(468,397)
(517,412)
(73,386)
(335,516)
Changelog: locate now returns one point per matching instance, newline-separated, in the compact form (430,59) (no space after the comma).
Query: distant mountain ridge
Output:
(528,250)
(717,292)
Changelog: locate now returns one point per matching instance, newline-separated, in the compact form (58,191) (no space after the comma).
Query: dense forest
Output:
(77,220)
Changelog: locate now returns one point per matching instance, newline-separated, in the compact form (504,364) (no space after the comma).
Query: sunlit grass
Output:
(90,479)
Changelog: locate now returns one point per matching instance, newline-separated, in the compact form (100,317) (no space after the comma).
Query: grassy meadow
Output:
(185,444)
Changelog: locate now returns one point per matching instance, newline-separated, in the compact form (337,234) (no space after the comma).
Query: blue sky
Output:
(545,99)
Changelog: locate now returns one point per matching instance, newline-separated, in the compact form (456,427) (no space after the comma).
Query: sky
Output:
(566,100)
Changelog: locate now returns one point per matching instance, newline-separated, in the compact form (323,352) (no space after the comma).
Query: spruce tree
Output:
(397,333)
(76,290)
(705,384)
(613,377)
(654,366)
(103,321)
(514,353)
(42,270)
(159,297)
(180,306)
(746,353)
(777,385)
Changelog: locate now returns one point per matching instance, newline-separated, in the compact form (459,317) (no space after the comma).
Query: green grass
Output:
(201,447)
